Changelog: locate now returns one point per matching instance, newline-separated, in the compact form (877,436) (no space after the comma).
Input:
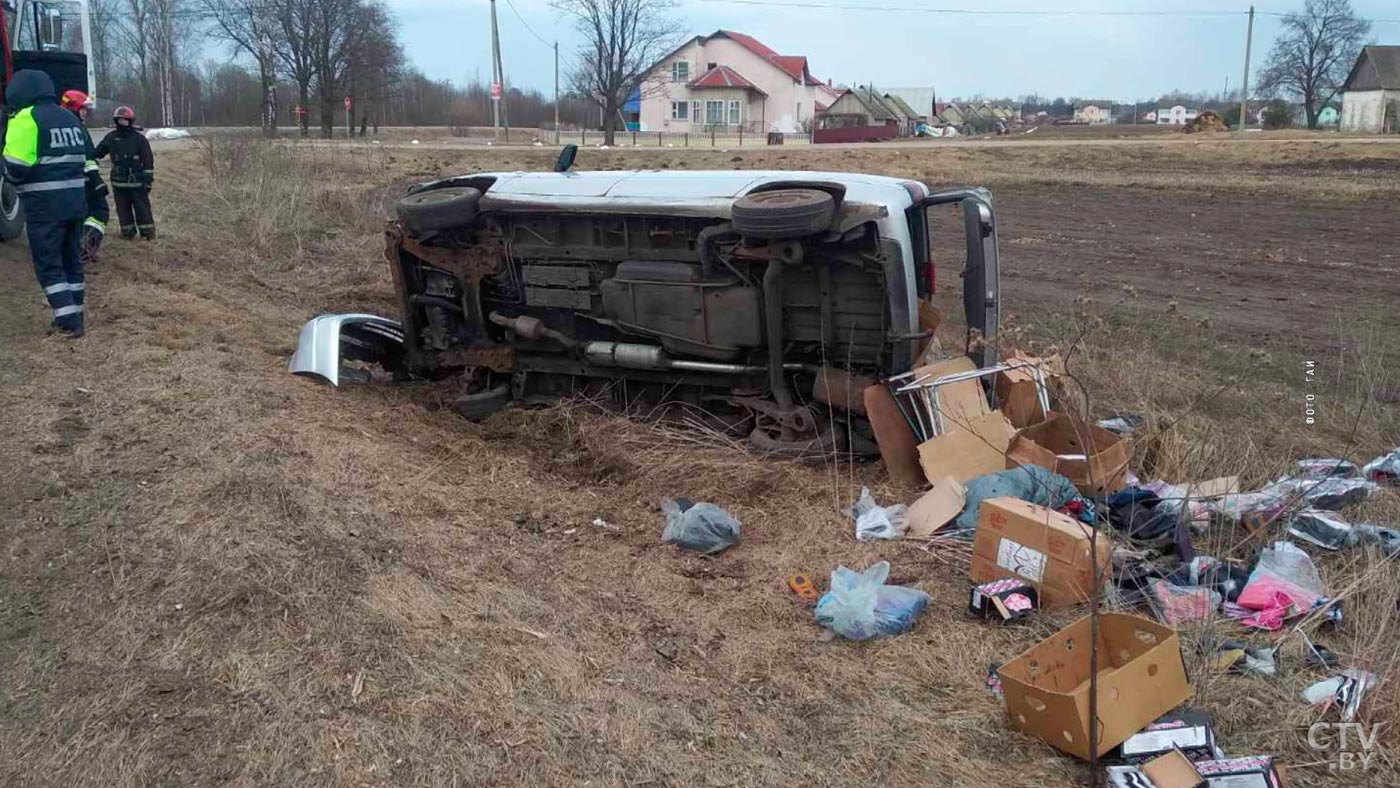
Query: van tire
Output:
(437,209)
(11,213)
(477,406)
(783,213)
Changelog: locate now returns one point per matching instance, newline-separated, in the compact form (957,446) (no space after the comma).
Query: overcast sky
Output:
(1085,55)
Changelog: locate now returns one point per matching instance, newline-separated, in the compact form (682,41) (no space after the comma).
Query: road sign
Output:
(495,91)
(349,102)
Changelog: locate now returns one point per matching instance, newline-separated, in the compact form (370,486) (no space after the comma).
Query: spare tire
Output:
(438,209)
(783,213)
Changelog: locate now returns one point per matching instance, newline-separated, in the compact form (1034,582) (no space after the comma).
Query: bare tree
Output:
(1312,56)
(103,24)
(375,62)
(622,40)
(295,42)
(151,35)
(251,27)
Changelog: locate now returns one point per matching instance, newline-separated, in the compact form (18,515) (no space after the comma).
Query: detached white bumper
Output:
(326,342)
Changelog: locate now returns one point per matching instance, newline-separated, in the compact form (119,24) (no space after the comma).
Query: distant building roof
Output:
(794,65)
(898,103)
(724,77)
(1378,68)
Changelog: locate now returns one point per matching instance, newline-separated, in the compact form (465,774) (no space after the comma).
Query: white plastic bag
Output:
(860,605)
(1345,692)
(702,527)
(877,522)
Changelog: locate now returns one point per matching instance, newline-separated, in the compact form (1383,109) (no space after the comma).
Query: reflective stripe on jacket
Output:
(45,151)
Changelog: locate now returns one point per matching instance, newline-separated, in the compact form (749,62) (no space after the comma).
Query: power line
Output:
(814,4)
(527,25)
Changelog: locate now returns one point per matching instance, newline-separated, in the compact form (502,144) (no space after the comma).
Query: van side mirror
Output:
(566,158)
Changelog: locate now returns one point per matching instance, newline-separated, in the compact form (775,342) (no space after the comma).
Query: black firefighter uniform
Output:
(45,153)
(133,172)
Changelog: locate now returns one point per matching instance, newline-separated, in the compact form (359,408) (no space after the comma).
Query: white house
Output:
(1371,94)
(1095,113)
(728,80)
(1176,116)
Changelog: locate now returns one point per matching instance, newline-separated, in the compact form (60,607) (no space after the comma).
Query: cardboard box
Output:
(965,452)
(1173,770)
(1097,469)
(1187,731)
(935,508)
(898,446)
(1002,600)
(1016,392)
(1141,677)
(1049,550)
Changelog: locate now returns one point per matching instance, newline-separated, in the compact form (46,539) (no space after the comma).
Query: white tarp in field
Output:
(166,134)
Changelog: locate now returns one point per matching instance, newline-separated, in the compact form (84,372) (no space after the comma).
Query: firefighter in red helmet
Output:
(95,225)
(133,173)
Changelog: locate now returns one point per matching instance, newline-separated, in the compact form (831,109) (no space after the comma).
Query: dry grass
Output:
(216,573)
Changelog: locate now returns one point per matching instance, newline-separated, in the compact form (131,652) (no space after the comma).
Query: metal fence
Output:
(682,139)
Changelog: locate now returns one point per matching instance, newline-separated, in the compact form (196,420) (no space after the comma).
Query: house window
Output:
(714,113)
(733,113)
(680,110)
(680,71)
(799,110)
(695,112)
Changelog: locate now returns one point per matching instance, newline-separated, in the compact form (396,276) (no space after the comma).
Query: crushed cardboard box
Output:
(899,448)
(1141,677)
(1058,444)
(935,508)
(1037,544)
(975,447)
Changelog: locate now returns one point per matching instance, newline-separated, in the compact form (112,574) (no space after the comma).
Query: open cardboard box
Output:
(1017,394)
(1141,677)
(1059,444)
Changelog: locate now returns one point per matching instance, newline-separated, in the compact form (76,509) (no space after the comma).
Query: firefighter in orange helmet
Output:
(95,189)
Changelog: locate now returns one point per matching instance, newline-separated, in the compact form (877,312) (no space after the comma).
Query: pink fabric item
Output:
(1274,600)
(1271,617)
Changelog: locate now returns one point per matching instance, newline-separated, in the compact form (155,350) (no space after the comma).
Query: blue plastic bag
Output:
(860,605)
(702,527)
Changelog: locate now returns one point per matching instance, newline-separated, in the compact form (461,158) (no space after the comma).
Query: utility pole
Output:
(556,92)
(1244,89)
(495,73)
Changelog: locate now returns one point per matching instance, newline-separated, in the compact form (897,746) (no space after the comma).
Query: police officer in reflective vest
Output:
(44,156)
(95,225)
(133,172)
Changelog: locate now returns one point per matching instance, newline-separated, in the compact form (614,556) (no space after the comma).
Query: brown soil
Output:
(215,573)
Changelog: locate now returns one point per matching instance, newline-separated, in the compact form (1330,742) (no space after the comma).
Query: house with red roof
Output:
(729,80)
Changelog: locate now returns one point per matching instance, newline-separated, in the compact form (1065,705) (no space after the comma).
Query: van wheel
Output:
(477,406)
(784,213)
(438,209)
(11,213)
